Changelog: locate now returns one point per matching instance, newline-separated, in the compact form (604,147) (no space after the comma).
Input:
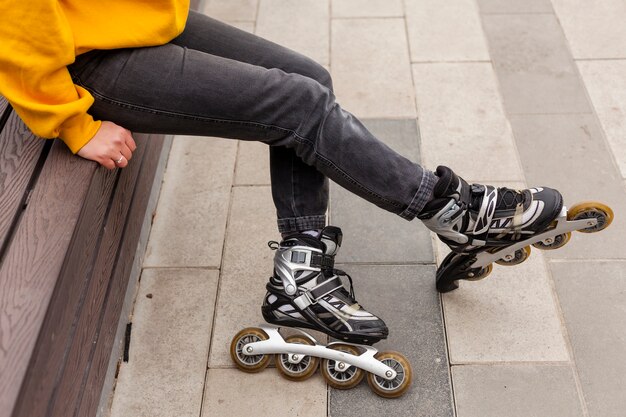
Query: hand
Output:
(112,146)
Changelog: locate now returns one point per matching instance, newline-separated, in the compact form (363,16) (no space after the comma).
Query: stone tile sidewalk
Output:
(506,92)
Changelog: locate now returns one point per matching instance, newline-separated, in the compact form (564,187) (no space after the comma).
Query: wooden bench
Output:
(72,236)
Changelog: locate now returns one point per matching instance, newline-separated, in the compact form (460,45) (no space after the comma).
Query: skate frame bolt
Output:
(388,374)
(294,357)
(249,349)
(471,275)
(341,365)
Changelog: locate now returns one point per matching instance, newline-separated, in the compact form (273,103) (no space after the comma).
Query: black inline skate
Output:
(483,224)
(306,291)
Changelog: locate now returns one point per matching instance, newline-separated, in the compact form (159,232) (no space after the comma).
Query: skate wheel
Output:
(591,210)
(397,386)
(482,274)
(555,242)
(516,258)
(341,379)
(296,367)
(248,363)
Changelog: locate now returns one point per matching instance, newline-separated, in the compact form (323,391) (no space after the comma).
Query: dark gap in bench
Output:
(27,193)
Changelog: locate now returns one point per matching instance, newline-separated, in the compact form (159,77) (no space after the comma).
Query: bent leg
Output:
(172,89)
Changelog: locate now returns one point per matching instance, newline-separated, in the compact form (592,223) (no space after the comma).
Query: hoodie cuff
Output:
(78,130)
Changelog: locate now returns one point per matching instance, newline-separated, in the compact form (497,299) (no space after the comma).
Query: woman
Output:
(87,72)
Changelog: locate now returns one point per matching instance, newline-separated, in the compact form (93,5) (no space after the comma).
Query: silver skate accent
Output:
(562,226)
(286,268)
(275,344)
(444,224)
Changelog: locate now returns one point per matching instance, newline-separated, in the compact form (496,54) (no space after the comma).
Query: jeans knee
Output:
(311,69)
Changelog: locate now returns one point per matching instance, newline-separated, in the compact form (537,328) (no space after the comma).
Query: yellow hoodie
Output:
(39,38)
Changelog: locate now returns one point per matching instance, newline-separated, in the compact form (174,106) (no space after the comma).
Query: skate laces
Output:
(339,272)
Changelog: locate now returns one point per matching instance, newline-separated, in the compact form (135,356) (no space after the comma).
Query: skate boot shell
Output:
(482,224)
(306,291)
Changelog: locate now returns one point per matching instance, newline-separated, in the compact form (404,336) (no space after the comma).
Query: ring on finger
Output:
(119,160)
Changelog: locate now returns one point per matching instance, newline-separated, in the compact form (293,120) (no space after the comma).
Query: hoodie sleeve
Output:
(36,45)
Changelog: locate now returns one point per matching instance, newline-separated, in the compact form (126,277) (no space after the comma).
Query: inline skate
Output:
(306,291)
(483,224)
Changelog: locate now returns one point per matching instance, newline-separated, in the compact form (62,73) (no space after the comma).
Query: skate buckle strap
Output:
(323,261)
(314,294)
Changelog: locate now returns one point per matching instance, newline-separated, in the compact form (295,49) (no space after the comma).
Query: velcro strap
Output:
(311,296)
(322,261)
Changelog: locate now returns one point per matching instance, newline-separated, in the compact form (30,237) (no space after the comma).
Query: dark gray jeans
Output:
(216,80)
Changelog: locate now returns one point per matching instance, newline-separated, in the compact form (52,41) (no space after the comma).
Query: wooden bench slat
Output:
(28,274)
(119,282)
(78,360)
(20,151)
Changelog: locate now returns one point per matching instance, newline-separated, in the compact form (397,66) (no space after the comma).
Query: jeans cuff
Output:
(298,224)
(422,196)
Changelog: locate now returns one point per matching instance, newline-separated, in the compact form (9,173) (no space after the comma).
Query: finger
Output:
(130,142)
(128,154)
(107,163)
(122,163)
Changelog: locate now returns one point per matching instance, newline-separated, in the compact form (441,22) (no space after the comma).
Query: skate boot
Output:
(482,224)
(306,291)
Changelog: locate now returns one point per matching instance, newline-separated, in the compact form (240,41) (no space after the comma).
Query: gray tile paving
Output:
(445,31)
(510,316)
(606,84)
(514,6)
(253,164)
(367,8)
(462,121)
(533,64)
(515,391)
(405,297)
(190,221)
(246,268)
(371,67)
(169,345)
(299,25)
(232,393)
(231,10)
(592,300)
(568,152)
(370,232)
(595,29)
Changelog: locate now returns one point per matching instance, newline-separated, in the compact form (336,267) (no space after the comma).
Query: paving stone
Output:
(405,297)
(595,29)
(232,393)
(509,316)
(592,300)
(606,84)
(253,164)
(367,8)
(190,221)
(533,63)
(247,266)
(247,26)
(462,122)
(444,31)
(568,152)
(371,69)
(231,10)
(515,391)
(514,6)
(370,233)
(301,25)
(169,345)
